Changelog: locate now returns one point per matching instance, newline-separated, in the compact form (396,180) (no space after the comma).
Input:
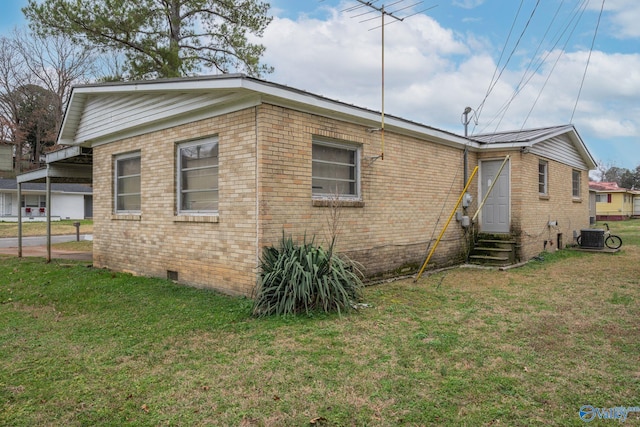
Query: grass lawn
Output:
(10,229)
(527,346)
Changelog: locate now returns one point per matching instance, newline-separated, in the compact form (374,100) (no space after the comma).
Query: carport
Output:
(68,165)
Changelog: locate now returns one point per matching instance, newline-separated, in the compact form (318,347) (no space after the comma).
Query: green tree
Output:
(162,38)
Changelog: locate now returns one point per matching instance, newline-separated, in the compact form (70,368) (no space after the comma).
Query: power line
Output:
(577,13)
(533,67)
(504,48)
(584,75)
(560,54)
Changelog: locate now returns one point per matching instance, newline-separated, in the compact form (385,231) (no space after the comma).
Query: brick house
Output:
(193,177)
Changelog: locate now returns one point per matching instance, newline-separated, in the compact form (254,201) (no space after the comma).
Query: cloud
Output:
(432,73)
(624,16)
(467,4)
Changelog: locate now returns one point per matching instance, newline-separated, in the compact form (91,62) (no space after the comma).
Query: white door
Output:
(5,204)
(495,215)
(636,206)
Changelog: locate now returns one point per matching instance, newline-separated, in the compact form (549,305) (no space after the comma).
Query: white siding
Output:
(64,205)
(67,206)
(8,205)
(112,114)
(561,149)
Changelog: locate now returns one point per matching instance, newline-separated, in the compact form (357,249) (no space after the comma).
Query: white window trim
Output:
(546,177)
(576,196)
(185,212)
(116,159)
(344,146)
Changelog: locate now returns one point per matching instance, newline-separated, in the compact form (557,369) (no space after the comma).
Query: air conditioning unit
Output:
(592,238)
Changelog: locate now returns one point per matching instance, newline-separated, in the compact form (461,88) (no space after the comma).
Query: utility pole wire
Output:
(515,47)
(524,80)
(503,110)
(584,75)
(495,71)
(564,48)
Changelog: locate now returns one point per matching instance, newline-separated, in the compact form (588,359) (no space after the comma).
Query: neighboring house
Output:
(68,201)
(614,203)
(194,177)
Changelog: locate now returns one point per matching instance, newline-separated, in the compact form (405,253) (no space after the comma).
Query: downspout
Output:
(257,190)
(466,145)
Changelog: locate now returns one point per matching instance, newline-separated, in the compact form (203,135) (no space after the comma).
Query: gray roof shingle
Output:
(11,184)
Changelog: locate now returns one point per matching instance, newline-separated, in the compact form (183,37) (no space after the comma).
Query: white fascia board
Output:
(150,86)
(270,93)
(65,153)
(35,175)
(71,118)
(504,146)
(582,149)
(53,170)
(569,129)
(577,141)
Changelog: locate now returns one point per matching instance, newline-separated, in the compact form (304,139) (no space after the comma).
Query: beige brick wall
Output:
(216,252)
(265,189)
(405,200)
(531,212)
(403,195)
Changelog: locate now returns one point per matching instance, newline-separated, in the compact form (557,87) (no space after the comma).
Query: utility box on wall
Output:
(592,238)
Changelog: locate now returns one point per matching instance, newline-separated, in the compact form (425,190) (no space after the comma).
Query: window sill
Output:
(197,218)
(544,197)
(126,217)
(577,200)
(328,203)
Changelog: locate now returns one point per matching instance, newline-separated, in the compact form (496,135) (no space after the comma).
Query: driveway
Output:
(36,246)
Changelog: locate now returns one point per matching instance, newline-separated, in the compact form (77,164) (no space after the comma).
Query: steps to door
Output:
(496,250)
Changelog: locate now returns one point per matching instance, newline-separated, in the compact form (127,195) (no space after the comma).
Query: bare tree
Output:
(56,64)
(13,74)
(36,77)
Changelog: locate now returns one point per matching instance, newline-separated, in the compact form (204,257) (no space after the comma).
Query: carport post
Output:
(19,220)
(48,202)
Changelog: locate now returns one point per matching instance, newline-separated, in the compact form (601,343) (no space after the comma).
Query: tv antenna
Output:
(391,10)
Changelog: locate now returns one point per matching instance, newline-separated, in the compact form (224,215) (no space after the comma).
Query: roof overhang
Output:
(532,137)
(69,165)
(241,91)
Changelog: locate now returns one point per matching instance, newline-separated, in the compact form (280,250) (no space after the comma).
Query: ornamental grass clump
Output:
(305,278)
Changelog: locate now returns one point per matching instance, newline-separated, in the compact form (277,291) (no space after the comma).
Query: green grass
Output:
(527,346)
(10,229)
(81,246)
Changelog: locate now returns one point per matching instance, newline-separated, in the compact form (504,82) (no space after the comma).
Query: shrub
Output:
(304,278)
